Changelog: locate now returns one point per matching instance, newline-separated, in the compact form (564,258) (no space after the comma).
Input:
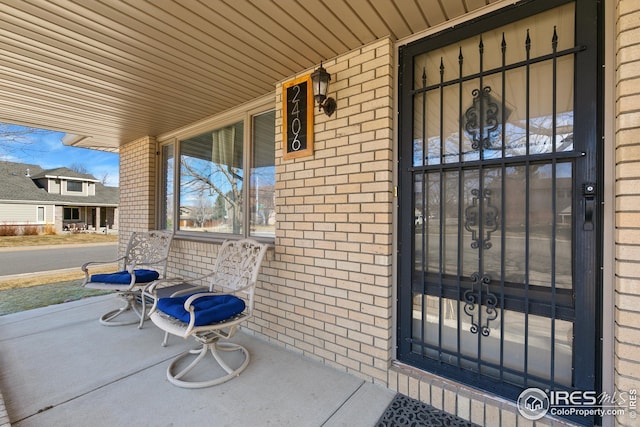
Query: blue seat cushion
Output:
(124,278)
(207,310)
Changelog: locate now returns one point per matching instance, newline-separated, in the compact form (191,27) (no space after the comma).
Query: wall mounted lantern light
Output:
(320,81)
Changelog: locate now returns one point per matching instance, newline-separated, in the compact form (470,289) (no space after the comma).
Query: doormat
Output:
(405,411)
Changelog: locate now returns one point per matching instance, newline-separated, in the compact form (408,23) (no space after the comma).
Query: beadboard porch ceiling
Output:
(108,72)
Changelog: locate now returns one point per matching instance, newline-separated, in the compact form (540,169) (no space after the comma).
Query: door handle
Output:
(589,194)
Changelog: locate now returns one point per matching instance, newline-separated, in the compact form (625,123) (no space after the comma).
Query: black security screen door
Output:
(498,178)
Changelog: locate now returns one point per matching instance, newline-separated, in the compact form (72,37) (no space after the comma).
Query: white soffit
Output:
(112,71)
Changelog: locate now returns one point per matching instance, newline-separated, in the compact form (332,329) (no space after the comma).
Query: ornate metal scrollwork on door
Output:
(472,218)
(473,304)
(482,119)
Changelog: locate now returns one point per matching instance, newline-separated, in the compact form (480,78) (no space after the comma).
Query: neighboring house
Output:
(60,197)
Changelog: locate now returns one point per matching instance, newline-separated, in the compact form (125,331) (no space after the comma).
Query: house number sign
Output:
(297,108)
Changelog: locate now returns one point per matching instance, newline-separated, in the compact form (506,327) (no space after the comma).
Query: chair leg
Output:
(214,348)
(107,319)
(166,339)
(144,315)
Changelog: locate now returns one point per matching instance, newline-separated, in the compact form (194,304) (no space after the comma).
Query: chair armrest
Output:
(85,268)
(150,289)
(188,306)
(171,287)
(86,265)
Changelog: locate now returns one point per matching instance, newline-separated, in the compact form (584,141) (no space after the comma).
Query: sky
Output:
(45,149)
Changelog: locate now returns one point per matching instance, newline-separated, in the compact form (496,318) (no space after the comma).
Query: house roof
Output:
(110,72)
(65,173)
(18,182)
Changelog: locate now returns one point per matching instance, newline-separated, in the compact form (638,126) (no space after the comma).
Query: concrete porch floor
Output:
(60,367)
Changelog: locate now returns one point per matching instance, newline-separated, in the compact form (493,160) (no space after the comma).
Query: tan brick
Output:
(627,153)
(628,219)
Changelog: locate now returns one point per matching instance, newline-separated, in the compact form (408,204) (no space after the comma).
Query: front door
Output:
(499,225)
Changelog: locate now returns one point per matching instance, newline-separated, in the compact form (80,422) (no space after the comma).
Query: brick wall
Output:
(627,170)
(137,188)
(328,290)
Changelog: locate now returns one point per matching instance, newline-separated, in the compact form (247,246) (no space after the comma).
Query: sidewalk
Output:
(61,367)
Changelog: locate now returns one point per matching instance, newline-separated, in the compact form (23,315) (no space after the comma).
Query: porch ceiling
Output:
(117,70)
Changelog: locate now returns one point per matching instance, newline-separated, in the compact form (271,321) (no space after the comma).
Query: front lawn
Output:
(56,239)
(20,299)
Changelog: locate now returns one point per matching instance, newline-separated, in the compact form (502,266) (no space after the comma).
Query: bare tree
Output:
(105,178)
(14,139)
(78,167)
(202,209)
(214,179)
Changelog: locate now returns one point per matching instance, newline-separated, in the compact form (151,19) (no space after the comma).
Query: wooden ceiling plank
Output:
(65,89)
(293,25)
(39,64)
(152,43)
(13,109)
(93,118)
(10,83)
(316,28)
(358,16)
(471,5)
(413,16)
(240,20)
(102,75)
(331,25)
(208,48)
(433,12)
(108,40)
(363,19)
(74,60)
(396,23)
(453,8)
(225,32)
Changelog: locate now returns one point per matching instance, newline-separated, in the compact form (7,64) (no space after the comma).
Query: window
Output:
(40,213)
(71,213)
(212,180)
(75,186)
(224,181)
(263,195)
(166,184)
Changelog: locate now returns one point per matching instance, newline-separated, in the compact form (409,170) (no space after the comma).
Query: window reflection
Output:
(523,112)
(167,187)
(212,181)
(263,176)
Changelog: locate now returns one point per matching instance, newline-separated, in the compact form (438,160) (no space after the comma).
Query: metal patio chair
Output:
(144,261)
(214,315)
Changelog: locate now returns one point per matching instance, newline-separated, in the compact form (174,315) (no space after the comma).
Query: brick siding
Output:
(329,291)
(137,188)
(627,203)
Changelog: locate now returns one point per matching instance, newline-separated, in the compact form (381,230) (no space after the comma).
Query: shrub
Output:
(9,230)
(30,230)
(49,230)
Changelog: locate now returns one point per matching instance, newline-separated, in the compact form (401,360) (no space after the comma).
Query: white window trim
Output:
(44,214)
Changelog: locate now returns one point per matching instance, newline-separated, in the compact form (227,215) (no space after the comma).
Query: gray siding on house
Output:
(25,187)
